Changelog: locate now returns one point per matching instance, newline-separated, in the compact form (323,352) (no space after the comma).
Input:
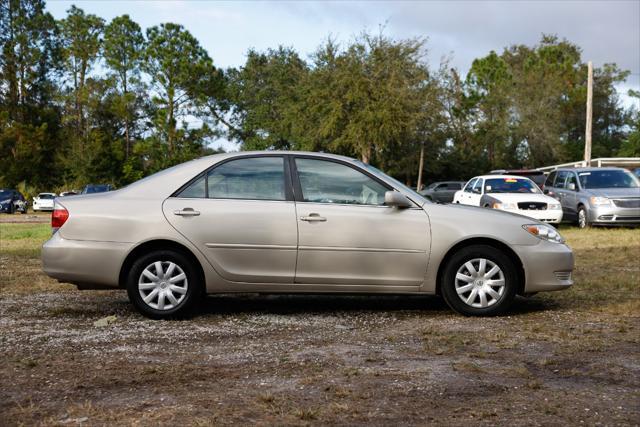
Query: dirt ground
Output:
(557,359)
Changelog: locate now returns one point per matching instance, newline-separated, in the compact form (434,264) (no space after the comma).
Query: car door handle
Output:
(314,217)
(186,212)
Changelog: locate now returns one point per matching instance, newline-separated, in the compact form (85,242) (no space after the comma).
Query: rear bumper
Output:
(547,266)
(87,264)
(613,215)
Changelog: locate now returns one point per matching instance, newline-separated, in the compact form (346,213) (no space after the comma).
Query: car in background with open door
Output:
(12,201)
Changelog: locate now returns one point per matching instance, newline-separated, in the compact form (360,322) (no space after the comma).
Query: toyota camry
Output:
(294,222)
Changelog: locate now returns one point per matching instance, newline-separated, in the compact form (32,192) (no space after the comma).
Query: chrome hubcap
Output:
(163,285)
(480,283)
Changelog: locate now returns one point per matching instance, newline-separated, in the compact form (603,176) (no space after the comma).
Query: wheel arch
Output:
(158,244)
(482,241)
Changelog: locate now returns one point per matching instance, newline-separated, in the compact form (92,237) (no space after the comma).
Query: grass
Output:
(553,356)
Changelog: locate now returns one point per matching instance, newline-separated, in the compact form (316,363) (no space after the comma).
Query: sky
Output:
(607,31)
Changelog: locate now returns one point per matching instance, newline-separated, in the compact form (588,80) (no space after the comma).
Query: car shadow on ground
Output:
(300,304)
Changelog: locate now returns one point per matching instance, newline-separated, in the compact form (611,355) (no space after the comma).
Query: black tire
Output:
(583,223)
(194,292)
(499,258)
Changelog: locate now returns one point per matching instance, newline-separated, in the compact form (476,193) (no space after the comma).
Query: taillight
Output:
(59,216)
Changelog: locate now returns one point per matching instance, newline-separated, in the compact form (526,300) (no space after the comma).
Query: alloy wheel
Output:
(480,283)
(163,285)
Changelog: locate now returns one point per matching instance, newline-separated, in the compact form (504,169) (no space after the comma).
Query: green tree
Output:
(173,59)
(81,41)
(123,53)
(266,97)
(29,119)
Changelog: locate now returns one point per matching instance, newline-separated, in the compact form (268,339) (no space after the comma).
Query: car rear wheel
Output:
(164,284)
(479,280)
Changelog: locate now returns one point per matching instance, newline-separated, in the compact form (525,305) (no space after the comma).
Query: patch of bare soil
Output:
(29,218)
(292,360)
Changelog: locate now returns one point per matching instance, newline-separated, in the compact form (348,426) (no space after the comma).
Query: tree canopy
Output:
(83,100)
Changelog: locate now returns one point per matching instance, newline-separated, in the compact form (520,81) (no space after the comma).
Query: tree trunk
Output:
(366,155)
(420,167)
(127,144)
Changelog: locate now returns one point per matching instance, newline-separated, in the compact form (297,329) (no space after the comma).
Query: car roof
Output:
(590,169)
(53,194)
(500,176)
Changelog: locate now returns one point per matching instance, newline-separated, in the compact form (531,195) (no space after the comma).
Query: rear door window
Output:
(253,178)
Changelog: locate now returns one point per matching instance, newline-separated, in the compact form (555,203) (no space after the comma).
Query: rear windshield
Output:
(510,185)
(46,196)
(608,179)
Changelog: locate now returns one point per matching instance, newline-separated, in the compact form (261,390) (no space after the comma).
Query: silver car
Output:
(293,222)
(596,196)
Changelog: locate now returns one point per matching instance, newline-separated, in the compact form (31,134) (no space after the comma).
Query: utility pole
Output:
(419,187)
(587,135)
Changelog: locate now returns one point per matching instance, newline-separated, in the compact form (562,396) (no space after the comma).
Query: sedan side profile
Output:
(294,222)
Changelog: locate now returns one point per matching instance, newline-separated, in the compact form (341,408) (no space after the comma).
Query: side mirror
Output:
(571,186)
(396,199)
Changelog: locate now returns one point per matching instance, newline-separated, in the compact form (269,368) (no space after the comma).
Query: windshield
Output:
(608,179)
(510,185)
(415,196)
(96,189)
(5,195)
(46,196)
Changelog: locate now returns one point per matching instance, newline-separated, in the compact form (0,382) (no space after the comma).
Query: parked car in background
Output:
(442,192)
(43,202)
(97,188)
(69,193)
(510,193)
(12,201)
(534,175)
(292,222)
(596,196)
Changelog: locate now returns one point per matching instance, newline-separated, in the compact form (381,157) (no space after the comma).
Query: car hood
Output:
(614,192)
(521,197)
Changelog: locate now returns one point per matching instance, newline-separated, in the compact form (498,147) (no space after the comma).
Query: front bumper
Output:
(84,263)
(547,266)
(551,216)
(613,215)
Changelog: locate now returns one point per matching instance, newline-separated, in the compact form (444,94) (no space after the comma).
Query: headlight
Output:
(555,206)
(600,201)
(544,232)
(504,206)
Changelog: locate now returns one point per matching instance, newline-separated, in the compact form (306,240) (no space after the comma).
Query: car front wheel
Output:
(479,280)
(583,219)
(164,284)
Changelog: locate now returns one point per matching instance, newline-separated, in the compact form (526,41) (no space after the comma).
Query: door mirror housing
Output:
(396,199)
(571,186)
